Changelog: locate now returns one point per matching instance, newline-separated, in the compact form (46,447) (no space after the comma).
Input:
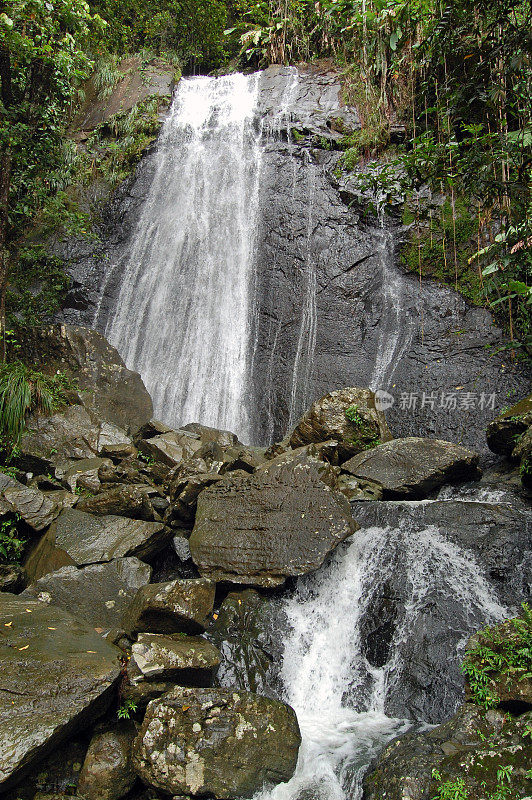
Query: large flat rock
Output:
(413,466)
(57,676)
(259,529)
(98,593)
(77,538)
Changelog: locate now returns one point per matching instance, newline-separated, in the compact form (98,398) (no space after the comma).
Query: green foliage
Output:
(11,543)
(23,390)
(450,790)
(502,652)
(352,413)
(127,709)
(38,283)
(193,29)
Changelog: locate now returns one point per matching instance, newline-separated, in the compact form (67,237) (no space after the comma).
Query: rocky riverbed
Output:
(145,641)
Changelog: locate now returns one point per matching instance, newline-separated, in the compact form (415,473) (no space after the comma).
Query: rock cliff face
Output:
(330,304)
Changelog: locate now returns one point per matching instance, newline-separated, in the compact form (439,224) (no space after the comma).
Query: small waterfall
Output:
(339,697)
(306,342)
(183,313)
(395,333)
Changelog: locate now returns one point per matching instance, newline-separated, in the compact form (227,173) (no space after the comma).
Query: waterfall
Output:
(306,341)
(183,314)
(339,696)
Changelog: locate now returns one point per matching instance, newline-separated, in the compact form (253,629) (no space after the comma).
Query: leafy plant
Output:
(352,413)
(23,390)
(11,543)
(502,652)
(127,709)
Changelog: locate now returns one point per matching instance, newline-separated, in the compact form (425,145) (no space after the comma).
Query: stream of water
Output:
(340,698)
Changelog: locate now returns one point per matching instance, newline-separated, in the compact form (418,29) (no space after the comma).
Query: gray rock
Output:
(98,593)
(85,473)
(181,546)
(34,507)
(206,434)
(107,773)
(259,529)
(413,467)
(170,448)
(359,489)
(320,457)
(326,419)
(244,630)
(217,742)
(12,577)
(123,500)
(57,676)
(72,433)
(471,746)
(188,660)
(502,434)
(106,387)
(77,538)
(181,606)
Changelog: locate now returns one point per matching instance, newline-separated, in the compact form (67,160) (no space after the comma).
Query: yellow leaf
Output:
(8,624)
(24,648)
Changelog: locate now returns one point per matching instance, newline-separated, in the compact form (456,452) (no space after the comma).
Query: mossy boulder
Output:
(348,416)
(221,743)
(467,751)
(504,432)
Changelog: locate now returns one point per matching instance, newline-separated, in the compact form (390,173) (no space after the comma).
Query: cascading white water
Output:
(183,317)
(339,697)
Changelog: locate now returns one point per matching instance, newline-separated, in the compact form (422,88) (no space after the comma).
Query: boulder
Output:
(58,675)
(259,529)
(413,467)
(98,593)
(206,434)
(31,504)
(509,688)
(12,577)
(472,746)
(184,495)
(358,489)
(349,416)
(107,773)
(74,433)
(77,539)
(106,387)
(181,606)
(217,742)
(170,448)
(123,500)
(503,433)
(188,660)
(84,473)
(320,457)
(244,630)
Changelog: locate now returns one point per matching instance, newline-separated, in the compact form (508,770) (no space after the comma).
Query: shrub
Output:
(23,390)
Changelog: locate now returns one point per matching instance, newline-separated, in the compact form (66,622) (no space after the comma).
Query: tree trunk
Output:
(5,183)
